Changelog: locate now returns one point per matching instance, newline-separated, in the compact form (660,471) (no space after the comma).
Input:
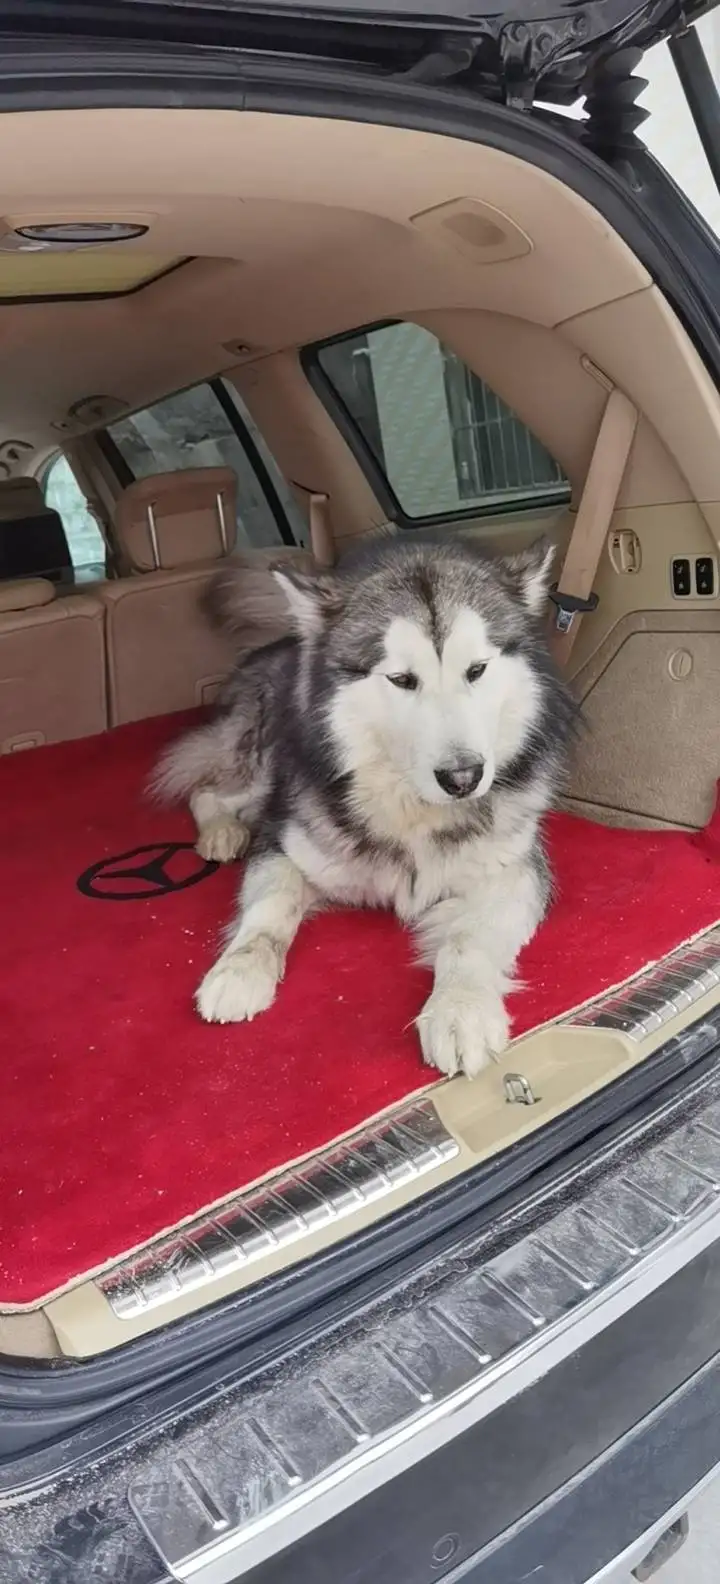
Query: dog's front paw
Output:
(241,984)
(462,1031)
(222,839)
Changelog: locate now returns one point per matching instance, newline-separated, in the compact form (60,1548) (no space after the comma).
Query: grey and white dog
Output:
(396,748)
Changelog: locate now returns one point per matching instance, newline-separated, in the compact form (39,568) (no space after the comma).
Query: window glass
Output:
(192,430)
(444,441)
(85,541)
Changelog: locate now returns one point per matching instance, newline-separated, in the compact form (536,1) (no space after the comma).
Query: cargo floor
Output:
(122,1113)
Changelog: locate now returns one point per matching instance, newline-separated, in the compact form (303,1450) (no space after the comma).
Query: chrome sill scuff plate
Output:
(372,1163)
(650,1001)
(366,1168)
(464,1334)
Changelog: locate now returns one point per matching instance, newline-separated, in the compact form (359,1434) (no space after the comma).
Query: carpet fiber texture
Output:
(122,1113)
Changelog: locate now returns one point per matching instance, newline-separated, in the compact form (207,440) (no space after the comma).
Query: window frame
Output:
(125,476)
(380,484)
(41,476)
(257,462)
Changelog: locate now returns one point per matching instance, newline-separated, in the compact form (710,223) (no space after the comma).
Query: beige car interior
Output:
(52,650)
(509,269)
(171,531)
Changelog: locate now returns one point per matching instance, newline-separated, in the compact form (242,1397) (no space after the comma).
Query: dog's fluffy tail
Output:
(244,599)
(194,761)
(204,757)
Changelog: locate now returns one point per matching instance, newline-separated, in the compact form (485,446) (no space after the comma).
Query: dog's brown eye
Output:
(474,672)
(406,680)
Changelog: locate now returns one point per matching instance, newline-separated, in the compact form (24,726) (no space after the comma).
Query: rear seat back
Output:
(52,666)
(172,530)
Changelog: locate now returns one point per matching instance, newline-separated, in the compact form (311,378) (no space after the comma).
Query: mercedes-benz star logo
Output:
(145,873)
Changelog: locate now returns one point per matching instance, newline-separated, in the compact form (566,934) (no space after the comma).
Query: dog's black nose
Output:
(460,780)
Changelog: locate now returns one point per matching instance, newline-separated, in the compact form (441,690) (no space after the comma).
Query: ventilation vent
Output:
(97,409)
(475,229)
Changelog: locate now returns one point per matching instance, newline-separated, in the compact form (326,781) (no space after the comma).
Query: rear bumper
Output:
(543,1489)
(433,1521)
(600,1525)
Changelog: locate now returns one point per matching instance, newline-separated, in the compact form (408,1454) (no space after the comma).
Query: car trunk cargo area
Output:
(288,268)
(124,1115)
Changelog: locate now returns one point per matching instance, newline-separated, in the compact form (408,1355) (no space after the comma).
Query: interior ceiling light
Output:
(35,272)
(81,233)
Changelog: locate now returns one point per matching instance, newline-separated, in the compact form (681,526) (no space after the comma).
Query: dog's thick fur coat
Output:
(397,747)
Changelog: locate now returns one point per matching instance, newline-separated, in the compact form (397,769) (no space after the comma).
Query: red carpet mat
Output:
(121,1112)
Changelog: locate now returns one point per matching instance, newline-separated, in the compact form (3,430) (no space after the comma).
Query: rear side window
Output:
(437,436)
(84,539)
(203,427)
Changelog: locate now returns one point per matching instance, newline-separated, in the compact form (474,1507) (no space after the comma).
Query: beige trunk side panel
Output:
(662,532)
(552,388)
(650,694)
(643,347)
(534,370)
(654,740)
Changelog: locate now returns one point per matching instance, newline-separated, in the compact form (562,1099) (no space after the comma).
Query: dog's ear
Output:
(313,599)
(527,573)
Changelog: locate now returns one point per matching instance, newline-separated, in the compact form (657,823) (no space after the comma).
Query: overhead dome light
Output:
(82,233)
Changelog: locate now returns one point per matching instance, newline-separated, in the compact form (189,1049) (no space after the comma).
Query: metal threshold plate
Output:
(650,1001)
(408,1145)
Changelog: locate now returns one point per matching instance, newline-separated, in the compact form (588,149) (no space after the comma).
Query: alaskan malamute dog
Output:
(397,748)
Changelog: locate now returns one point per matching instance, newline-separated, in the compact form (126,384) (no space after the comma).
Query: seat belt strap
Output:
(572,595)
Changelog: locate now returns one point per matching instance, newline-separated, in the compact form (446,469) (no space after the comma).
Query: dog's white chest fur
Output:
(330,863)
(338,872)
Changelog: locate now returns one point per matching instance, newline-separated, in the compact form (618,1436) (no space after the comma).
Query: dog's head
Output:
(429,660)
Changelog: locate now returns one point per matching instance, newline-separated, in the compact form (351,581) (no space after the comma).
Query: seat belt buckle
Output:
(568,606)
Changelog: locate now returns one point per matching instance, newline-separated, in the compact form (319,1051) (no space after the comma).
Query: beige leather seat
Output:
(172,530)
(52,666)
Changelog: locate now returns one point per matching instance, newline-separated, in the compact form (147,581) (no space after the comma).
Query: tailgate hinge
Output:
(450,56)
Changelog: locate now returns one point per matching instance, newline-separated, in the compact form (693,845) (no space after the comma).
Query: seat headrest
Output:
(21,497)
(25,594)
(176,519)
(33,542)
